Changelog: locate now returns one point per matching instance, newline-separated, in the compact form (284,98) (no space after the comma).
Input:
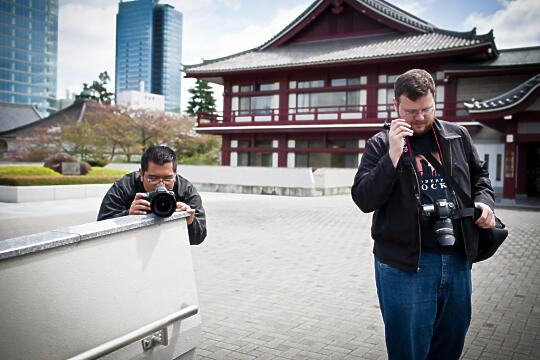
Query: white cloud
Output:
(86,44)
(516,25)
(417,8)
(210,43)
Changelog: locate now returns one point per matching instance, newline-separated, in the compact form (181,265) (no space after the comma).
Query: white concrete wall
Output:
(59,302)
(14,194)
(334,178)
(251,176)
(242,179)
(280,181)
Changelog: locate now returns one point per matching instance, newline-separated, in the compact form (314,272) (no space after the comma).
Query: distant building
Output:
(14,116)
(149,49)
(314,94)
(28,53)
(24,121)
(141,99)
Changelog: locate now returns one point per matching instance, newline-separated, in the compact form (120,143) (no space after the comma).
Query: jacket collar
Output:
(444,135)
(444,131)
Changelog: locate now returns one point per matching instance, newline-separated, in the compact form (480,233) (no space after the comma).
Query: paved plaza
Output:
(292,278)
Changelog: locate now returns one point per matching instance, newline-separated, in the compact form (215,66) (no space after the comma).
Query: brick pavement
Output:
(292,278)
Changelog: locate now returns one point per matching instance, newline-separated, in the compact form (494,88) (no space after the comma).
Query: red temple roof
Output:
(378,30)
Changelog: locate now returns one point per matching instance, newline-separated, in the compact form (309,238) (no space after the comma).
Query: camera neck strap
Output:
(469,210)
(409,163)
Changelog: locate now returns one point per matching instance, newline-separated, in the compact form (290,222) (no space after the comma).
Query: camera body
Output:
(440,214)
(162,201)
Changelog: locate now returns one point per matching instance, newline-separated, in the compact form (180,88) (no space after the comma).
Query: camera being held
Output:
(440,214)
(162,201)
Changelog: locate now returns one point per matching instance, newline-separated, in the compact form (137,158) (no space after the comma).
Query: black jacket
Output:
(118,199)
(389,191)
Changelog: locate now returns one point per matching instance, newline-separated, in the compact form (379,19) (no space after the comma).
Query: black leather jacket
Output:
(389,192)
(118,199)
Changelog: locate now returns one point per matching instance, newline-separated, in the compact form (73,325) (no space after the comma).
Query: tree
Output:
(202,99)
(105,97)
(108,133)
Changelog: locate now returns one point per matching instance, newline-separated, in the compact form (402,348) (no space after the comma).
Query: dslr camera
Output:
(440,214)
(162,201)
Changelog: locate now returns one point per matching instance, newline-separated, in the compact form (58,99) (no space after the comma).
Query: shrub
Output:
(55,162)
(37,175)
(98,171)
(27,171)
(56,180)
(97,162)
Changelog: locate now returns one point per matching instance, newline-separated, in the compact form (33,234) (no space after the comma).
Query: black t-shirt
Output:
(433,188)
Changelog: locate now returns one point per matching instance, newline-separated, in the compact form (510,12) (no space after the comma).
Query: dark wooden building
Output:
(313,94)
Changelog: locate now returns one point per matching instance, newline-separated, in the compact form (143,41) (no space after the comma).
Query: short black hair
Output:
(414,84)
(158,155)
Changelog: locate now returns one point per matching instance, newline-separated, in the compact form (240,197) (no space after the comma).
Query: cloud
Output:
(86,43)
(417,8)
(515,25)
(200,42)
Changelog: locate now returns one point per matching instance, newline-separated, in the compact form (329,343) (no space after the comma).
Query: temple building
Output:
(313,94)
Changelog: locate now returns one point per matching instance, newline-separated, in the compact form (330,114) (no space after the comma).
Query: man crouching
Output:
(127,196)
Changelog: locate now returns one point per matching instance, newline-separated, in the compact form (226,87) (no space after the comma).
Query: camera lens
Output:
(163,205)
(444,232)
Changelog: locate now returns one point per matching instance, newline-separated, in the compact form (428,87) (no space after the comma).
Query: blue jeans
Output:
(426,314)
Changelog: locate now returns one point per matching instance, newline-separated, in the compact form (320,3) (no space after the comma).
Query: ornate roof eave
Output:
(348,61)
(379,7)
(508,100)
(382,8)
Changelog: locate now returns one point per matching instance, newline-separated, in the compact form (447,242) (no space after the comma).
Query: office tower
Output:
(149,49)
(167,57)
(28,53)
(134,23)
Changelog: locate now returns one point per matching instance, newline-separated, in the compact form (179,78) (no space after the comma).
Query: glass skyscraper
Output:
(28,53)
(167,60)
(149,49)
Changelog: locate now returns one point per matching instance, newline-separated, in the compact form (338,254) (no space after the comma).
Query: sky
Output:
(216,28)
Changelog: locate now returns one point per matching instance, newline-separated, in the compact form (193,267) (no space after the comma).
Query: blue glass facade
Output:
(149,49)
(28,53)
(166,72)
(134,23)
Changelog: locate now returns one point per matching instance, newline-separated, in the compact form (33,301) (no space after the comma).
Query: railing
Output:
(330,112)
(448,110)
(148,343)
(97,283)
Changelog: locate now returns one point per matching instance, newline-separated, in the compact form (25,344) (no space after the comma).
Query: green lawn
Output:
(40,175)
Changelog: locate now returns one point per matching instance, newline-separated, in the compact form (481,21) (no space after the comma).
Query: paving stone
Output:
(295,275)
(292,278)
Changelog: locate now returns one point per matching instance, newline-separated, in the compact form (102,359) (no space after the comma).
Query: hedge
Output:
(27,171)
(57,180)
(39,175)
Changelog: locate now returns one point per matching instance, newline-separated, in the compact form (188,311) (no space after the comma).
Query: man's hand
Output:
(487,219)
(139,206)
(398,130)
(180,206)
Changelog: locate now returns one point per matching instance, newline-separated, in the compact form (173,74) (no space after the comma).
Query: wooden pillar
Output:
(372,93)
(283,99)
(450,97)
(227,100)
(226,150)
(282,150)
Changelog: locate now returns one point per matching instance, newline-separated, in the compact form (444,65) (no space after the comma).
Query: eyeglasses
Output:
(415,113)
(156,179)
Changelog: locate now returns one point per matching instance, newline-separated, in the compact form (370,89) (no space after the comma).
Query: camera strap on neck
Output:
(409,163)
(470,210)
